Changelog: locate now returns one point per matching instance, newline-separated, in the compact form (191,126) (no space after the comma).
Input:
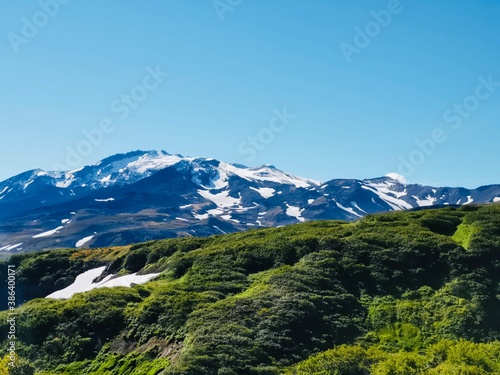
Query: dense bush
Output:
(401,293)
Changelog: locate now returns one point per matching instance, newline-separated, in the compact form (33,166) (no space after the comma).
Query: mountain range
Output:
(144,195)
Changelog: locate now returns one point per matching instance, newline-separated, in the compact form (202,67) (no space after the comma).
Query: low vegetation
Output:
(400,293)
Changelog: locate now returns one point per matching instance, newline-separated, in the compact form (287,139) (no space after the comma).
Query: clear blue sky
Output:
(227,77)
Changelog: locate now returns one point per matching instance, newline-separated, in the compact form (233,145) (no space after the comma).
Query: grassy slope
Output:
(390,294)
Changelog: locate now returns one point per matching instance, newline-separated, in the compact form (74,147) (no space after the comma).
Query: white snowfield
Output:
(427,202)
(220,230)
(221,199)
(48,233)
(229,218)
(264,173)
(348,209)
(355,205)
(215,212)
(155,162)
(496,199)
(295,212)
(84,282)
(390,197)
(469,200)
(10,247)
(264,192)
(105,200)
(200,216)
(83,241)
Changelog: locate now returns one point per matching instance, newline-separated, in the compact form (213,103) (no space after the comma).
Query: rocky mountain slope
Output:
(140,195)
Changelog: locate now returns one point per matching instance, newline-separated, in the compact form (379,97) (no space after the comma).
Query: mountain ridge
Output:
(133,196)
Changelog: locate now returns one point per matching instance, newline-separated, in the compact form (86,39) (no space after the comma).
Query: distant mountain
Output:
(144,195)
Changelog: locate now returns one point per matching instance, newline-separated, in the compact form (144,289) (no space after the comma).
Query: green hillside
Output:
(399,293)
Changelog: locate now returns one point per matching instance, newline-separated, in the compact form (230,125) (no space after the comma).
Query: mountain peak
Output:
(396,176)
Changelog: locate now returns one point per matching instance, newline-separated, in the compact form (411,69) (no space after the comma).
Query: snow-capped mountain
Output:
(145,195)
(41,188)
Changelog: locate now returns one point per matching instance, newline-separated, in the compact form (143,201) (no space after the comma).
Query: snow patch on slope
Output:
(200,216)
(48,233)
(428,201)
(65,183)
(469,200)
(355,205)
(264,192)
(84,282)
(267,173)
(295,212)
(220,230)
(388,196)
(27,184)
(10,247)
(83,241)
(221,199)
(150,162)
(348,209)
